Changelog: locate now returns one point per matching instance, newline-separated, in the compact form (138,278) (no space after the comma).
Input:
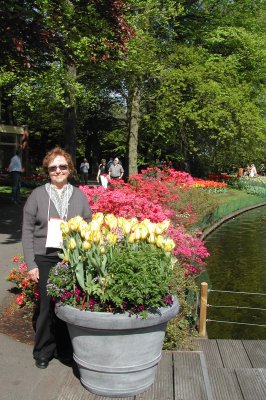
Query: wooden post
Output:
(203,308)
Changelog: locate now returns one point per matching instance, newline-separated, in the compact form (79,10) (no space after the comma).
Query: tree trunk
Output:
(70,116)
(133,116)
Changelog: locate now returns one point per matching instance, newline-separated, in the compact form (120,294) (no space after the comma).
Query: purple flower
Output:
(168,300)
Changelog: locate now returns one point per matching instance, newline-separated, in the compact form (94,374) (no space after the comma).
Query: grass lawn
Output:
(238,198)
(5,191)
(228,202)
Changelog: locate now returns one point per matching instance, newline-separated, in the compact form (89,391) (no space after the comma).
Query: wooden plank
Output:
(188,377)
(256,350)
(233,354)
(224,384)
(252,383)
(211,352)
(73,390)
(163,388)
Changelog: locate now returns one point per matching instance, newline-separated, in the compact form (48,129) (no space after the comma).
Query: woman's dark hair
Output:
(57,151)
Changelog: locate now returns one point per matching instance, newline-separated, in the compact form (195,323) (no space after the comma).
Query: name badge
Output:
(54,234)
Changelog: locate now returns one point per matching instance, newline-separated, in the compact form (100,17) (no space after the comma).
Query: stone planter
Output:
(117,355)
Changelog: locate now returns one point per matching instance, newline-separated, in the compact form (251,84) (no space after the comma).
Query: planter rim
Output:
(105,320)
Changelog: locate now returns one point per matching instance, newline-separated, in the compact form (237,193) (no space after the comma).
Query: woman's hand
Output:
(33,274)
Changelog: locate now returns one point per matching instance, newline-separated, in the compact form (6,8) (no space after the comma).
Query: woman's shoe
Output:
(42,363)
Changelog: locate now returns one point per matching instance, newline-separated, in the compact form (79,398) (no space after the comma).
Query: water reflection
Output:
(238,263)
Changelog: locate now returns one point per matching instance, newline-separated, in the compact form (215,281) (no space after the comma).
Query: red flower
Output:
(20,300)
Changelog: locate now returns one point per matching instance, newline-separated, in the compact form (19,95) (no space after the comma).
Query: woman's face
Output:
(58,171)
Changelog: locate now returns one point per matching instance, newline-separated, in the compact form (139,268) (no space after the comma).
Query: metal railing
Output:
(204,306)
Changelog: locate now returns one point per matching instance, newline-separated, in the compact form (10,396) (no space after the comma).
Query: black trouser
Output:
(84,177)
(51,333)
(15,185)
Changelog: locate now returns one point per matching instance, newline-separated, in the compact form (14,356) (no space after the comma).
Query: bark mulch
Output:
(17,322)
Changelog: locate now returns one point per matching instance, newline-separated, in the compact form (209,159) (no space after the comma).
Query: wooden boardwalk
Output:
(217,370)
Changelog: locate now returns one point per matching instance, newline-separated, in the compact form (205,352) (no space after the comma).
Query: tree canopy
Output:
(183,81)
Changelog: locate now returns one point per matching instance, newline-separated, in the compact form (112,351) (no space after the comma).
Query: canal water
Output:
(238,263)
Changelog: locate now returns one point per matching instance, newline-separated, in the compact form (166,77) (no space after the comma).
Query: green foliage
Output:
(181,329)
(140,276)
(199,201)
(6,77)
(256,186)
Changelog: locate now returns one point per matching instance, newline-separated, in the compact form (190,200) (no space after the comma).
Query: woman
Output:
(102,174)
(45,209)
(253,171)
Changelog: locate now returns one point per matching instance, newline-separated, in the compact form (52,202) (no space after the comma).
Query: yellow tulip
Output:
(84,233)
(82,226)
(98,217)
(144,232)
(132,237)
(159,240)
(111,238)
(102,249)
(151,227)
(87,235)
(71,244)
(151,238)
(86,245)
(137,233)
(64,227)
(121,221)
(126,227)
(94,225)
(162,227)
(73,225)
(169,245)
(96,236)
(105,230)
(134,224)
(111,221)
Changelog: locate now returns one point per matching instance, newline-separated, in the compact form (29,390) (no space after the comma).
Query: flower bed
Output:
(28,292)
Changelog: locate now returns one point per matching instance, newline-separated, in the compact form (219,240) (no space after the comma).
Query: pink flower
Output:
(22,267)
(20,300)
(15,259)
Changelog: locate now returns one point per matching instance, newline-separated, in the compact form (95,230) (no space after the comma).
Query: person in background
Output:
(253,171)
(116,170)
(240,172)
(102,174)
(84,171)
(110,162)
(157,163)
(247,170)
(46,208)
(262,169)
(15,167)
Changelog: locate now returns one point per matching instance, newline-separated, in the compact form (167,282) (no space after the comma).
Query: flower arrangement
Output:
(114,264)
(28,292)
(154,194)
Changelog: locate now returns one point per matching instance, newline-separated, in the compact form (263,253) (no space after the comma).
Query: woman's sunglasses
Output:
(62,167)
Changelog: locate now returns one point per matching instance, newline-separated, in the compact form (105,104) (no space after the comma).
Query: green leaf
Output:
(80,274)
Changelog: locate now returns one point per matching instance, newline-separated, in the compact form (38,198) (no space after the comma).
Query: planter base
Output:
(122,393)
(119,360)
